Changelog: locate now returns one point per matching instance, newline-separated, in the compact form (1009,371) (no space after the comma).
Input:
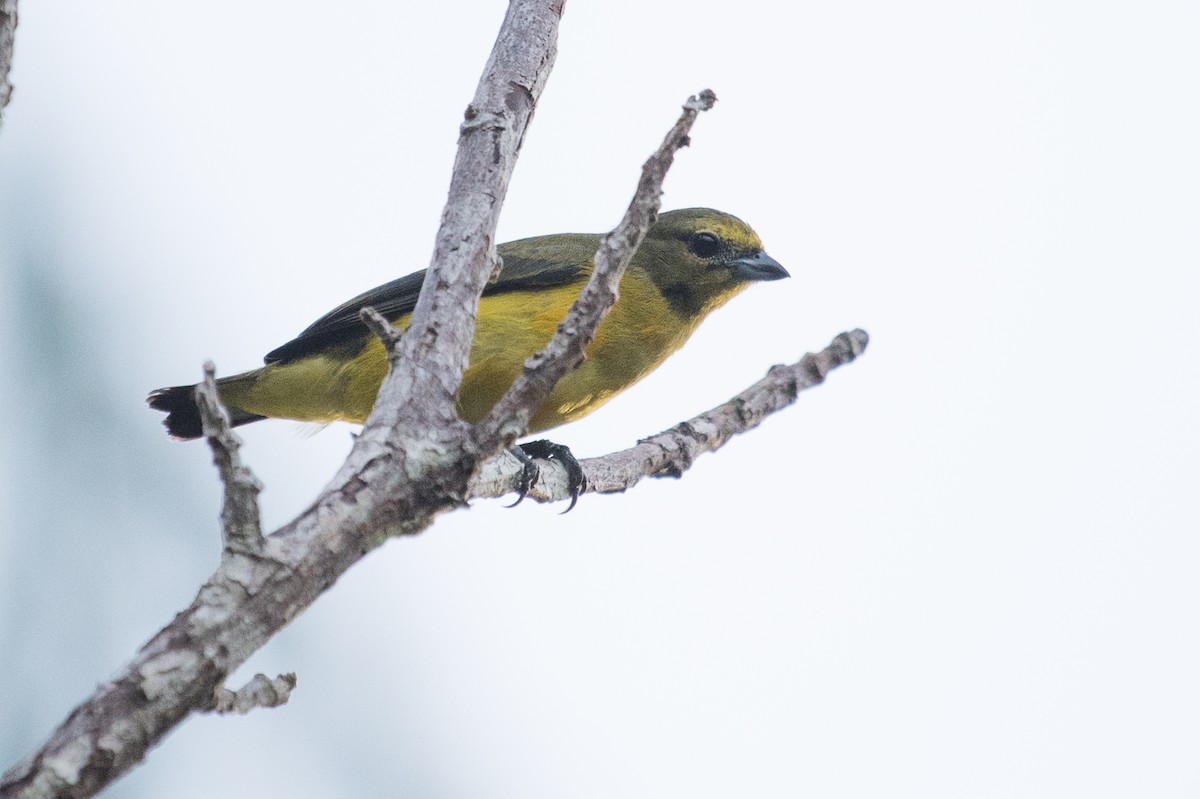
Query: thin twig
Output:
(509,418)
(261,691)
(383,330)
(241,524)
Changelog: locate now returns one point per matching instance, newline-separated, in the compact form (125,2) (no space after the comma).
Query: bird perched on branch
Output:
(691,262)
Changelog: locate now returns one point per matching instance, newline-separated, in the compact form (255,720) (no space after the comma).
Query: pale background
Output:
(964,567)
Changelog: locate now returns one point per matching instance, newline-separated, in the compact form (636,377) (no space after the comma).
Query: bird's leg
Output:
(529,473)
(543,449)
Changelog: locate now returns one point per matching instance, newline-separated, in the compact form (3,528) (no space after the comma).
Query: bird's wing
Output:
(398,297)
(392,299)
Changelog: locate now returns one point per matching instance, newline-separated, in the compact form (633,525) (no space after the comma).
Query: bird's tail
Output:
(183,415)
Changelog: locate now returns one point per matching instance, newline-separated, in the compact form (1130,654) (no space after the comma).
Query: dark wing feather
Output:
(545,262)
(392,299)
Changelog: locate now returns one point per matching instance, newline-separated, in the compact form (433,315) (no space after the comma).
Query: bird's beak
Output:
(758,266)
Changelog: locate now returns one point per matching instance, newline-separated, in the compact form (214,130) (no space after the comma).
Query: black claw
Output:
(529,474)
(548,450)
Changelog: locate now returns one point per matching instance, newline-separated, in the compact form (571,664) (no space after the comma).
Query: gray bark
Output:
(401,474)
(414,459)
(8,31)
(672,452)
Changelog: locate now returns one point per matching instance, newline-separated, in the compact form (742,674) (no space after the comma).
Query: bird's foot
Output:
(543,449)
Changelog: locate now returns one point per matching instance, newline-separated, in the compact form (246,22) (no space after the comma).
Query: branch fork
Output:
(413,460)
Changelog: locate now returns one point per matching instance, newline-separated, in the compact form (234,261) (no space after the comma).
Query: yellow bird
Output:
(691,262)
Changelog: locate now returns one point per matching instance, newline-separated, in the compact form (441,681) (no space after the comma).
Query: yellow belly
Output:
(639,332)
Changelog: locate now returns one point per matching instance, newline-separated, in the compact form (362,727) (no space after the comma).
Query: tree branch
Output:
(261,691)
(396,480)
(418,393)
(672,452)
(8,32)
(413,461)
(241,526)
(383,330)
(509,418)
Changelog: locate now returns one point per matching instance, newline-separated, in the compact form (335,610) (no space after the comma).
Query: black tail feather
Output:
(183,415)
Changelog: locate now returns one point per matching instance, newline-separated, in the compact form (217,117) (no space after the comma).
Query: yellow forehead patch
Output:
(732,230)
(722,225)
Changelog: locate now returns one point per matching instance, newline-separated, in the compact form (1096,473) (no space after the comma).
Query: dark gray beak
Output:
(758,266)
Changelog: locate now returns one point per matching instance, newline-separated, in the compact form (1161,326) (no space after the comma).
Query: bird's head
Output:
(699,258)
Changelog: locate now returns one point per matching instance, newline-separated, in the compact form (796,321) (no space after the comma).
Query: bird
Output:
(690,262)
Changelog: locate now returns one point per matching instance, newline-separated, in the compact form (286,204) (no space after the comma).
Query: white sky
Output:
(963,567)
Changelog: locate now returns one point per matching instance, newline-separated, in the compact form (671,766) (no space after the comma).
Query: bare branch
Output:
(380,491)
(261,691)
(383,330)
(241,525)
(8,33)
(672,452)
(509,418)
(443,322)
(413,461)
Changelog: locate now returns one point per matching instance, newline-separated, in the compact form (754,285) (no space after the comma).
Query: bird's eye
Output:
(705,245)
